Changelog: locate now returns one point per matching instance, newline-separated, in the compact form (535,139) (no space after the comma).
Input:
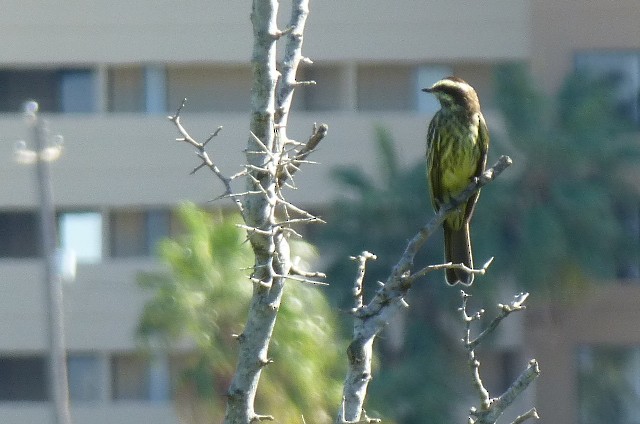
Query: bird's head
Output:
(454,93)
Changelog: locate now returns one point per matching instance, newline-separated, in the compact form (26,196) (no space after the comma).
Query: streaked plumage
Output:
(457,145)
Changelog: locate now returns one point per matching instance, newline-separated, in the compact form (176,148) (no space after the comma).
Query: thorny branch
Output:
(492,408)
(204,156)
(373,317)
(291,166)
(285,167)
(271,160)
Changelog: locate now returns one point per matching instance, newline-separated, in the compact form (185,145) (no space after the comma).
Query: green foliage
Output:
(557,218)
(203,297)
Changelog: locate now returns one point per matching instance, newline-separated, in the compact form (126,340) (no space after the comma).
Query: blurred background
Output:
(559,84)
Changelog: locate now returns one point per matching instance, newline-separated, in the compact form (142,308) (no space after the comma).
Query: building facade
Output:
(106,75)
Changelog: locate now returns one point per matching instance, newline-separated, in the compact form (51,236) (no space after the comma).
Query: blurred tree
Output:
(566,214)
(558,220)
(203,298)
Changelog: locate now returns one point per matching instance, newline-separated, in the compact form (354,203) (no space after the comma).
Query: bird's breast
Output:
(462,154)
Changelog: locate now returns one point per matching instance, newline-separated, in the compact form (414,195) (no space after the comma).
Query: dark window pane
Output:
(139,378)
(158,225)
(55,90)
(19,235)
(127,233)
(16,87)
(126,89)
(136,233)
(23,378)
(397,92)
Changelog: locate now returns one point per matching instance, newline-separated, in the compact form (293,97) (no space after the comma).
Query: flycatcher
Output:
(457,145)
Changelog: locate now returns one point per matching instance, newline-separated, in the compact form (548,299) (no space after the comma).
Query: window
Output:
(139,378)
(136,233)
(332,91)
(155,89)
(623,67)
(66,90)
(77,91)
(126,89)
(137,89)
(84,374)
(386,87)
(81,232)
(426,76)
(19,235)
(608,384)
(23,378)
(209,88)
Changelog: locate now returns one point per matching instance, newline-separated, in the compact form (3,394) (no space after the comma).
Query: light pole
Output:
(41,156)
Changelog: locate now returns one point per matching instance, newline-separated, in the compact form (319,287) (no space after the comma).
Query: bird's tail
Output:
(457,250)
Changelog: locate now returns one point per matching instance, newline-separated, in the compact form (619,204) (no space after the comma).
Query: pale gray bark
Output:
(271,160)
(266,159)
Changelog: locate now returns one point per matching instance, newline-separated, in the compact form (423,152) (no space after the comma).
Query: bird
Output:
(457,146)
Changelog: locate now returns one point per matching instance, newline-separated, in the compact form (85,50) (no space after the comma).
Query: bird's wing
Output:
(433,167)
(483,142)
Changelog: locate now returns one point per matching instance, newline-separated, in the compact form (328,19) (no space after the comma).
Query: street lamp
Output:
(44,153)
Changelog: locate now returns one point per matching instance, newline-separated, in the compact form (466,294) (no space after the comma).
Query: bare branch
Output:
(317,135)
(424,271)
(492,408)
(259,418)
(204,157)
(369,320)
(304,280)
(279,34)
(307,274)
(300,211)
(505,310)
(357,286)
(531,413)
(304,83)
(474,364)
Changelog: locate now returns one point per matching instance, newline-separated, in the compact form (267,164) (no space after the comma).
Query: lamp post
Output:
(41,156)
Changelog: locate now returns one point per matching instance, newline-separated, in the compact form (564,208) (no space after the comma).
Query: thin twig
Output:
(492,408)
(317,135)
(202,154)
(450,265)
(505,310)
(530,414)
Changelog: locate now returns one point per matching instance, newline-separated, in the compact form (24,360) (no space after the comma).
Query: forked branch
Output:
(492,408)
(372,318)
(206,161)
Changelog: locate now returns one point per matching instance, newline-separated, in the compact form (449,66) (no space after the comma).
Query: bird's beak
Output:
(428,90)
